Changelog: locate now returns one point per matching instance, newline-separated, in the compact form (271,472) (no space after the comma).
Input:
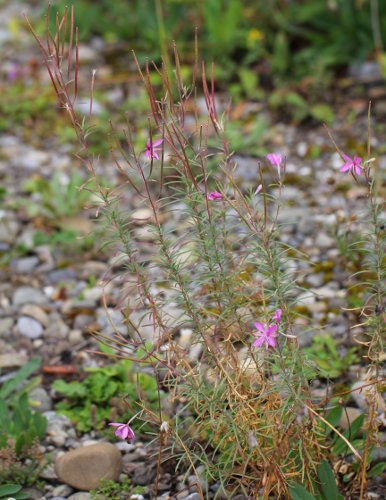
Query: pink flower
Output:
(152,149)
(276,160)
(215,196)
(352,165)
(123,431)
(277,316)
(266,335)
(258,189)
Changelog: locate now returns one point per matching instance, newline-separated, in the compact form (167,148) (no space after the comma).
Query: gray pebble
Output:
(28,295)
(57,330)
(193,496)
(8,230)
(24,265)
(6,325)
(315,280)
(80,495)
(40,395)
(62,490)
(61,276)
(82,321)
(29,327)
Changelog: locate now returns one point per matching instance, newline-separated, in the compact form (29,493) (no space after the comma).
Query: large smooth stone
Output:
(83,468)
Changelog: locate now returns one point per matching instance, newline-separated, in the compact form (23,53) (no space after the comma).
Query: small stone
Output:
(193,496)
(36,313)
(75,337)
(80,495)
(61,276)
(41,400)
(315,280)
(361,396)
(74,307)
(12,360)
(59,429)
(48,472)
(33,159)
(143,474)
(142,216)
(8,230)
(25,265)
(6,325)
(33,493)
(28,295)
(93,294)
(301,149)
(57,330)
(324,241)
(82,321)
(62,491)
(145,233)
(29,327)
(182,494)
(84,467)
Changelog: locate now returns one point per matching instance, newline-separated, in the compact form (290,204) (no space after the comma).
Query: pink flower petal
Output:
(214,196)
(259,326)
(277,315)
(125,432)
(271,342)
(275,159)
(157,143)
(271,331)
(345,167)
(259,342)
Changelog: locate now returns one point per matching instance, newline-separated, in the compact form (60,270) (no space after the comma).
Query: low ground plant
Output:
(106,393)
(243,408)
(21,431)
(117,491)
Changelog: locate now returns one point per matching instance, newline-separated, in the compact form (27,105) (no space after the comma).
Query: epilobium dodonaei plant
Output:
(220,287)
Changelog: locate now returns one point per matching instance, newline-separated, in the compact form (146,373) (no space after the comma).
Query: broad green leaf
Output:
(9,489)
(327,481)
(22,495)
(24,372)
(71,390)
(377,469)
(297,492)
(335,415)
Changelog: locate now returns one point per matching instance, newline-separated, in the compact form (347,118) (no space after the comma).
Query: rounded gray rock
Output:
(83,468)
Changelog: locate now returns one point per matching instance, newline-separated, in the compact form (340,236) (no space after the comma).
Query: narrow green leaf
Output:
(340,446)
(24,372)
(327,481)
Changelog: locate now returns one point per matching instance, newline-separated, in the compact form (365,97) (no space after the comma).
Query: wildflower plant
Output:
(243,407)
